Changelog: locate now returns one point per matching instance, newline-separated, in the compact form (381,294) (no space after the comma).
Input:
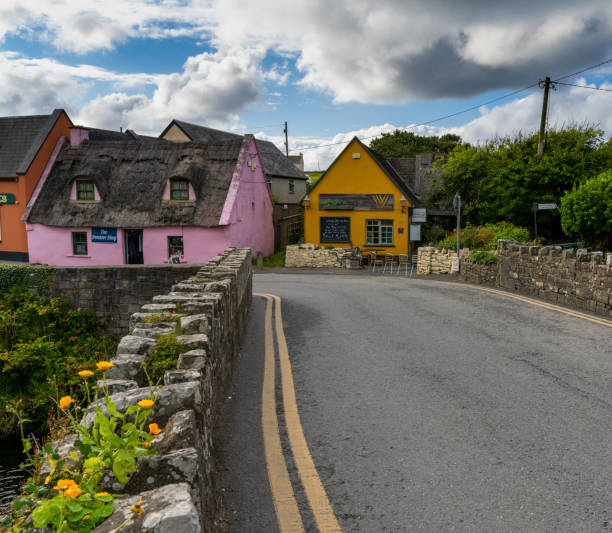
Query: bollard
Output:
(259,261)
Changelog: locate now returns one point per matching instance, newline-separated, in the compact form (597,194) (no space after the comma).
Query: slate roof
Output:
(130,177)
(275,163)
(20,140)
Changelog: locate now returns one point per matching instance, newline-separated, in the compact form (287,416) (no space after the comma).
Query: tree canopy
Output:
(408,144)
(502,179)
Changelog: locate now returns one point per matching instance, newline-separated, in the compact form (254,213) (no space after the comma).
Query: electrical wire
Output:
(582,86)
(584,70)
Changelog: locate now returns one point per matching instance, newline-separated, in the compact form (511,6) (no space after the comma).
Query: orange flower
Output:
(154,429)
(85,373)
(137,509)
(104,365)
(146,404)
(145,444)
(68,487)
(174,311)
(65,402)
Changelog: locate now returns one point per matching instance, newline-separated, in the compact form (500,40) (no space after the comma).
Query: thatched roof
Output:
(130,177)
(274,162)
(21,138)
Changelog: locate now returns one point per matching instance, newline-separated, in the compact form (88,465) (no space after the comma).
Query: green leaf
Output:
(124,465)
(40,516)
(74,506)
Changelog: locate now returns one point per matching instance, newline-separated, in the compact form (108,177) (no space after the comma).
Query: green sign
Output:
(7,198)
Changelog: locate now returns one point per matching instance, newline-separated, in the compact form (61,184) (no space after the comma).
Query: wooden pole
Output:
(542,136)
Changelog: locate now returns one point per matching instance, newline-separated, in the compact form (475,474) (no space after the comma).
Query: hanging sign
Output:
(7,198)
(108,235)
(544,207)
(419,214)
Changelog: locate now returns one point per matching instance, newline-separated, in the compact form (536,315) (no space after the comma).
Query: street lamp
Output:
(403,204)
(306,202)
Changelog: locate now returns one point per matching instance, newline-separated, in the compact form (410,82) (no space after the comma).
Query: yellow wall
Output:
(358,176)
(175,134)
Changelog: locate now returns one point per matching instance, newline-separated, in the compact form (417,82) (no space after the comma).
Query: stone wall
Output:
(312,256)
(577,279)
(113,293)
(478,273)
(431,260)
(208,312)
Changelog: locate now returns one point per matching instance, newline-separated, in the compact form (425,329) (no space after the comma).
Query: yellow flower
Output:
(47,479)
(146,404)
(104,365)
(142,363)
(85,373)
(102,494)
(145,444)
(68,487)
(137,509)
(154,429)
(65,402)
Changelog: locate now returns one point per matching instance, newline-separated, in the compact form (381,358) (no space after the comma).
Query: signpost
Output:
(457,208)
(540,207)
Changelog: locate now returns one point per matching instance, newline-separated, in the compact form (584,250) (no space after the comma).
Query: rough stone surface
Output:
(311,256)
(193,359)
(194,324)
(116,385)
(180,432)
(168,509)
(127,366)
(135,344)
(181,376)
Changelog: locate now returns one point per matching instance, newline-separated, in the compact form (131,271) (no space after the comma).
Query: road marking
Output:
(287,512)
(315,492)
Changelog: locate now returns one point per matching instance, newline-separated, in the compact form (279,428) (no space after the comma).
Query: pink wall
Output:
(53,245)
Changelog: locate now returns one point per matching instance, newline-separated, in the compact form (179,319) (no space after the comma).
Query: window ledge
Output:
(79,255)
(85,201)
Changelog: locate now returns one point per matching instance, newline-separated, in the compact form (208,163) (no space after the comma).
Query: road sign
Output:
(419,214)
(544,207)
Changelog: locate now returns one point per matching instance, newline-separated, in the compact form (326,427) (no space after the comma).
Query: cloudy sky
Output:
(330,69)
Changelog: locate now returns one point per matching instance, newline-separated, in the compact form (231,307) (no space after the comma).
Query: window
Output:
(175,246)
(85,190)
(291,187)
(79,242)
(379,232)
(179,189)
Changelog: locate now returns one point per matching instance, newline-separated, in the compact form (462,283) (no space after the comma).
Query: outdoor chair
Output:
(414,264)
(389,262)
(402,261)
(374,261)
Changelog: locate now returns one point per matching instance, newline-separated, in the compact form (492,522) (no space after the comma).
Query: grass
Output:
(277,259)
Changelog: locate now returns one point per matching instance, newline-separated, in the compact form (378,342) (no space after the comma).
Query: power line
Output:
(583,86)
(433,120)
(584,70)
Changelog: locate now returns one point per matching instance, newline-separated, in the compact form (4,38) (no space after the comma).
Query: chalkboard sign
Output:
(335,229)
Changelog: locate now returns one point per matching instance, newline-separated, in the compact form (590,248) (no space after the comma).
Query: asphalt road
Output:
(429,406)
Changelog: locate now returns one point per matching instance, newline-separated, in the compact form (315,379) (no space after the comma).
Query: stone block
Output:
(194,324)
(132,344)
(181,376)
(180,432)
(116,385)
(153,331)
(193,342)
(168,509)
(127,367)
(192,360)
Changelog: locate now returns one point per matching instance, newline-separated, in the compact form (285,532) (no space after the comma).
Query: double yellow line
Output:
(285,504)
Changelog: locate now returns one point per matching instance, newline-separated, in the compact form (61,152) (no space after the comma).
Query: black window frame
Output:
(182,246)
(89,194)
(79,240)
(379,223)
(291,187)
(180,194)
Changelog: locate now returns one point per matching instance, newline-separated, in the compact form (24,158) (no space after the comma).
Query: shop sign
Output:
(7,198)
(108,235)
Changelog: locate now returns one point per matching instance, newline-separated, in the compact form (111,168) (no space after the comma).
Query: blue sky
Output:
(331,70)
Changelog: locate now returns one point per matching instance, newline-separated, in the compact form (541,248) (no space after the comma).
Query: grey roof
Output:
(274,162)
(130,177)
(405,168)
(20,140)
(96,134)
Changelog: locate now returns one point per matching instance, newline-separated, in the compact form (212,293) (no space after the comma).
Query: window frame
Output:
(91,194)
(380,224)
(76,244)
(291,187)
(184,192)
(182,250)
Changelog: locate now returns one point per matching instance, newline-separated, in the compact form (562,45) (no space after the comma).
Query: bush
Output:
(482,256)
(43,344)
(165,357)
(586,211)
(485,237)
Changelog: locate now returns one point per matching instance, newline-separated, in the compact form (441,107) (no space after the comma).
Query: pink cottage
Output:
(145,201)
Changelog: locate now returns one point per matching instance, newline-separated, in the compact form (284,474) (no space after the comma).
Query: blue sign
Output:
(104,235)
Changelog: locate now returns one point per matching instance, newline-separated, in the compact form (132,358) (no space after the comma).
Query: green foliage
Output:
(503,178)
(275,198)
(20,277)
(165,356)
(586,211)
(160,317)
(43,343)
(314,177)
(408,144)
(276,260)
(483,256)
(484,237)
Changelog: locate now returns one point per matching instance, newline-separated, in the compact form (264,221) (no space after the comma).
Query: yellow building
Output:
(361,200)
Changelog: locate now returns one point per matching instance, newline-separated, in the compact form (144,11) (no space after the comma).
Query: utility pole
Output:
(286,141)
(542,136)
(457,208)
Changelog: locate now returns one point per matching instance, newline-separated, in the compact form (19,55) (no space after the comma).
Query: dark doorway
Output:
(133,246)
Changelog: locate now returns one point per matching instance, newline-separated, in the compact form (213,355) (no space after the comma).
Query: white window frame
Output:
(374,232)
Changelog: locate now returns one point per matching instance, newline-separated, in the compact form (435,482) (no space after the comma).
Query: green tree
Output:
(586,211)
(501,179)
(408,144)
